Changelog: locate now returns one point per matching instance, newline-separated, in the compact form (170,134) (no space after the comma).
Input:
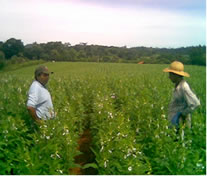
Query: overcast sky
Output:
(131,23)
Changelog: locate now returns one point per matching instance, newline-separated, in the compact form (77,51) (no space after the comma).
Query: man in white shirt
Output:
(184,101)
(39,103)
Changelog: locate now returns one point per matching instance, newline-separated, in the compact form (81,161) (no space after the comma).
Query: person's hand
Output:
(40,122)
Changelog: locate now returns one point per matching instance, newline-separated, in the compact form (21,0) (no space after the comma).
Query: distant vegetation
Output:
(14,49)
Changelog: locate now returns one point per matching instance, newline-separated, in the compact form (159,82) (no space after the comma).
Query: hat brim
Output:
(181,73)
(47,72)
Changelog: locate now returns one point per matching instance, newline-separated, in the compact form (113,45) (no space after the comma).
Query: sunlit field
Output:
(123,105)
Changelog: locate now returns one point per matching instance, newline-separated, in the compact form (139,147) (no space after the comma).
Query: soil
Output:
(87,156)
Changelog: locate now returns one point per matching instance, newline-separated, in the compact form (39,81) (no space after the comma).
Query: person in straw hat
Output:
(183,101)
(39,102)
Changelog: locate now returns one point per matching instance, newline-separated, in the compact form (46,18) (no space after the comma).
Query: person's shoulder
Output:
(35,85)
(185,85)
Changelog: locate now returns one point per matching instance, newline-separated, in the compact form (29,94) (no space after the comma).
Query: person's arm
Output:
(32,101)
(192,101)
(32,112)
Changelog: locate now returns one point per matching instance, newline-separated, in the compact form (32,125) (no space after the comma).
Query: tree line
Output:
(14,50)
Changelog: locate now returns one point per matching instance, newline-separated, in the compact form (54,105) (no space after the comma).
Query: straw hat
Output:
(177,68)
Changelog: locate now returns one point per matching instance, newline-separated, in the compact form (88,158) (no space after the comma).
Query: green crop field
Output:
(123,105)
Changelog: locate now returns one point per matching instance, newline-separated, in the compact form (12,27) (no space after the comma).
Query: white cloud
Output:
(68,21)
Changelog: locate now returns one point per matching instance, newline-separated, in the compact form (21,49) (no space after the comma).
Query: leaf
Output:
(93,165)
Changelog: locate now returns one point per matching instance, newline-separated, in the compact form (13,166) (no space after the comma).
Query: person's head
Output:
(174,77)
(176,71)
(42,74)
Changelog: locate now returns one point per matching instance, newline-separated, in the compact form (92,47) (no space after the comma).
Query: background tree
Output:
(2,60)
(1,44)
(12,47)
(34,51)
(198,55)
(58,51)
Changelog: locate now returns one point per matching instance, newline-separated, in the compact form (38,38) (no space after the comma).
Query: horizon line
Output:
(92,44)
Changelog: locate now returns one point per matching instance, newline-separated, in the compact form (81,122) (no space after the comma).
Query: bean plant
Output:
(124,106)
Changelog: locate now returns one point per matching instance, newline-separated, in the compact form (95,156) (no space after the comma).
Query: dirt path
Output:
(87,155)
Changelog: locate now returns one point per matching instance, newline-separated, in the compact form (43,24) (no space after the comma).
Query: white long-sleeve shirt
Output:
(40,99)
(183,100)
